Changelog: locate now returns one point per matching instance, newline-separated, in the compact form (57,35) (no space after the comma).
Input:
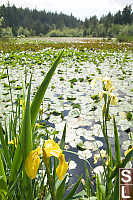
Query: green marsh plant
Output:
(19,156)
(27,170)
(107,183)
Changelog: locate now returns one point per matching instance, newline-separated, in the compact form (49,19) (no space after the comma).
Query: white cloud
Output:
(124,2)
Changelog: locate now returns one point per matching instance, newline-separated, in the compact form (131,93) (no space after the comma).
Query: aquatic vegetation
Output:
(72,113)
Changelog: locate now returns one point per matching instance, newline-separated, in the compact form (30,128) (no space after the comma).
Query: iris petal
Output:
(52,148)
(62,167)
(32,163)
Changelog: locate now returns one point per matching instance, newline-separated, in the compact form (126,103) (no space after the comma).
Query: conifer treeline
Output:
(34,22)
(110,25)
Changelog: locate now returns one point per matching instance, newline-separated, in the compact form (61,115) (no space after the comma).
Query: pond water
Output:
(68,99)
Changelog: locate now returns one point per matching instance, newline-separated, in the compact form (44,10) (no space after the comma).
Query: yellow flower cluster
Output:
(114,99)
(108,83)
(106,80)
(108,88)
(102,155)
(51,148)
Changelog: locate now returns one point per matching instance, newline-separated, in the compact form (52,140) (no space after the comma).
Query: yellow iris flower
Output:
(14,141)
(100,95)
(32,162)
(62,167)
(102,155)
(106,80)
(114,99)
(108,83)
(51,148)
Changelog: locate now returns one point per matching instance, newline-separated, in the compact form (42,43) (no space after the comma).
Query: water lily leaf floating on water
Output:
(86,154)
(71,98)
(96,98)
(3,76)
(72,165)
(44,123)
(6,85)
(18,87)
(129,116)
(76,105)
(81,146)
(93,145)
(75,113)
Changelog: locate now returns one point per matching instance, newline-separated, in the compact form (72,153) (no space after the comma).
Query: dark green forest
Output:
(26,22)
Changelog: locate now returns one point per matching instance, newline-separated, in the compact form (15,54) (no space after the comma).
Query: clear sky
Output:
(78,8)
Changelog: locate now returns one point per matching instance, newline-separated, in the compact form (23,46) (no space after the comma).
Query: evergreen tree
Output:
(127,15)
(41,22)
(118,18)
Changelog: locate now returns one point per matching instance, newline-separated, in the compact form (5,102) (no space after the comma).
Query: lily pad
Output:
(75,113)
(81,146)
